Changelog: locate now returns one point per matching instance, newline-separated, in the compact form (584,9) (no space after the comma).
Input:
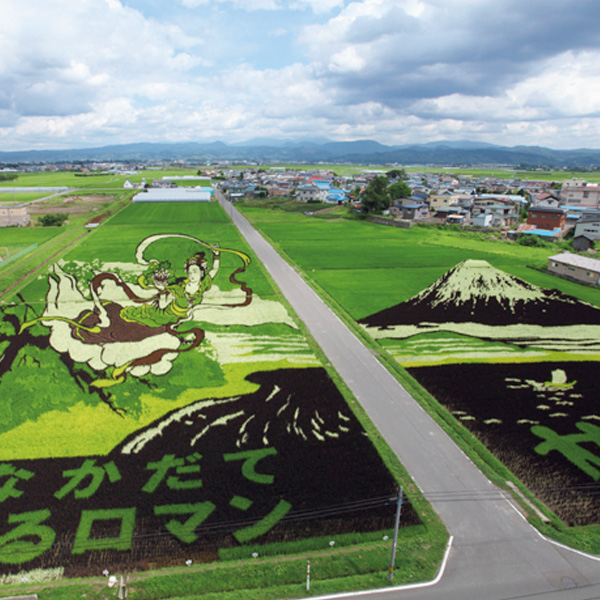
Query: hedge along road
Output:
(496,554)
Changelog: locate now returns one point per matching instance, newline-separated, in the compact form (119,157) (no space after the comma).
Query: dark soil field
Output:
(541,420)
(287,462)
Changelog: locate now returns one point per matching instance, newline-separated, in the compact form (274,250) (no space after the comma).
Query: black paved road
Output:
(496,554)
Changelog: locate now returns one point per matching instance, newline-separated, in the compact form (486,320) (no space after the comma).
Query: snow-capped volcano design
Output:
(475,291)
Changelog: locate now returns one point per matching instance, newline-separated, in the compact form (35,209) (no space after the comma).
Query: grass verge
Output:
(338,569)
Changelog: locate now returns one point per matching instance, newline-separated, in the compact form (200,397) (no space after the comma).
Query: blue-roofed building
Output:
(547,233)
(337,196)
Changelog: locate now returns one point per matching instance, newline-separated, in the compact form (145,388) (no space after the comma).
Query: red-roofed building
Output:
(546,217)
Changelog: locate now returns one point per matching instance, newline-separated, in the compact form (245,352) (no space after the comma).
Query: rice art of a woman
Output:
(133,328)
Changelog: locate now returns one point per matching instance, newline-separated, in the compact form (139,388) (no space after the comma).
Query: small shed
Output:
(583,242)
(483,219)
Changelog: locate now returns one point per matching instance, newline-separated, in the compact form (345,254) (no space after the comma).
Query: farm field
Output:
(84,205)
(52,240)
(92,180)
(14,240)
(25,236)
(10,198)
(347,169)
(352,260)
(511,174)
(161,404)
(509,351)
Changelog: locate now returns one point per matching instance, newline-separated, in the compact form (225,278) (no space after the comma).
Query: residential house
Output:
(490,212)
(482,219)
(11,216)
(588,225)
(411,209)
(574,213)
(311,193)
(580,192)
(235,190)
(573,266)
(546,199)
(449,214)
(455,219)
(336,196)
(278,190)
(163,184)
(449,181)
(441,199)
(546,217)
(421,193)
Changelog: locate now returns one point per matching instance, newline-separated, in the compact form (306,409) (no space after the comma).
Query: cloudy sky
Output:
(87,73)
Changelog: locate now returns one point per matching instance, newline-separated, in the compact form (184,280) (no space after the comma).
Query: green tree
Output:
(523,213)
(260,192)
(52,220)
(397,174)
(399,190)
(530,240)
(8,176)
(376,196)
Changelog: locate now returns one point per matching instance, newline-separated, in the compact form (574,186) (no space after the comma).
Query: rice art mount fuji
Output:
(477,292)
(478,300)
(514,364)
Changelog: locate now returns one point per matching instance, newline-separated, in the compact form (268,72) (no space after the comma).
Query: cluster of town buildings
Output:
(515,206)
(521,206)
(539,208)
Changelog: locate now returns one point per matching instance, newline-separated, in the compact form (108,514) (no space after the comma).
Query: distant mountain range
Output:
(265,150)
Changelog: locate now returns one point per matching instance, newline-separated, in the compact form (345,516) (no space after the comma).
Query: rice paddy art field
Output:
(511,352)
(160,403)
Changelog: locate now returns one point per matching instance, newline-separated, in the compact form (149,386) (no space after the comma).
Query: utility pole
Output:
(395,542)
(122,595)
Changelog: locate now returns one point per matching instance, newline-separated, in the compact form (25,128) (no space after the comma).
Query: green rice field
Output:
(93,180)
(10,198)
(161,402)
(16,236)
(368,267)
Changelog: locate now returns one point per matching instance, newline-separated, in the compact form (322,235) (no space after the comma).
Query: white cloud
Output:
(348,59)
(248,5)
(317,6)
(566,86)
(397,71)
(92,49)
